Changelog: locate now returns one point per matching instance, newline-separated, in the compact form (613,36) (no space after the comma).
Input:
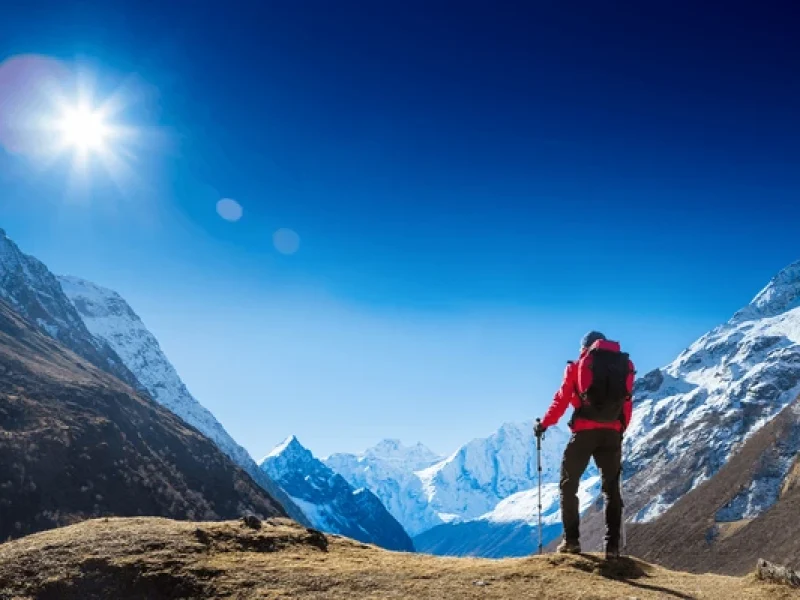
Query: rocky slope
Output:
(34,292)
(110,319)
(77,443)
(158,559)
(748,510)
(691,416)
(331,503)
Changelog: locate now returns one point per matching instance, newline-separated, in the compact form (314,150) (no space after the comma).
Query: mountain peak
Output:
(291,446)
(35,293)
(388,445)
(329,500)
(394,450)
(780,295)
(109,318)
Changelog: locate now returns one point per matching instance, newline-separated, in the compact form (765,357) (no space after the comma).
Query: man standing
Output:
(599,386)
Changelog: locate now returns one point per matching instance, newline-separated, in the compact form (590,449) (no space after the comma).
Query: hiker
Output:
(599,386)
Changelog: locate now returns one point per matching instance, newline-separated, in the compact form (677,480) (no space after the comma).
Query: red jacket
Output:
(568,395)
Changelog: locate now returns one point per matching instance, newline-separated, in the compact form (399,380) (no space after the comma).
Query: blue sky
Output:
(474,186)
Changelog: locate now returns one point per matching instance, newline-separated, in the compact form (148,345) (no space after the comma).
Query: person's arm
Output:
(627,412)
(627,406)
(563,398)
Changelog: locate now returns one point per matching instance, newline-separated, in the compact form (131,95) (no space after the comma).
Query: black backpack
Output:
(603,385)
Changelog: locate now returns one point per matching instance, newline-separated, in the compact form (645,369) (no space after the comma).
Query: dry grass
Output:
(792,480)
(726,530)
(157,558)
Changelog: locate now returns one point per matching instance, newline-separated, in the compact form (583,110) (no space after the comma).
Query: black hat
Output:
(590,338)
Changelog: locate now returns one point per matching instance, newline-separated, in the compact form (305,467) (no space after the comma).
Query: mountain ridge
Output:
(747,511)
(330,502)
(78,443)
(34,292)
(108,317)
(693,416)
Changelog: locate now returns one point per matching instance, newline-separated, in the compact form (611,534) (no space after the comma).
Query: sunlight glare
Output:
(84,129)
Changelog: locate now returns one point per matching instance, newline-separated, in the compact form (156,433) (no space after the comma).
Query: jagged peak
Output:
(780,295)
(291,446)
(9,250)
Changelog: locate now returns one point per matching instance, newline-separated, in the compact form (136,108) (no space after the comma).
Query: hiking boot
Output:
(567,547)
(612,551)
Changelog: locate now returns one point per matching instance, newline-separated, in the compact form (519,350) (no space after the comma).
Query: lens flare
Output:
(84,129)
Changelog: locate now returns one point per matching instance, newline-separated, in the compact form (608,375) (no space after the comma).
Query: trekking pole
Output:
(539,470)
(622,501)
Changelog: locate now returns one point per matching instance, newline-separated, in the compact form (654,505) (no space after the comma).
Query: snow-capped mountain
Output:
(476,501)
(746,511)
(487,491)
(480,474)
(691,416)
(330,502)
(511,528)
(388,470)
(34,292)
(110,319)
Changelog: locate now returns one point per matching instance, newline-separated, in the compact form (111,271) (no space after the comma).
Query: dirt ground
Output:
(155,558)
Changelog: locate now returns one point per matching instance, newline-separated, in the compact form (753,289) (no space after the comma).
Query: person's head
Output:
(590,338)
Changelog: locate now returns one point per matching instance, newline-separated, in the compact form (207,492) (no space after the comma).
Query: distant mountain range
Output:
(479,501)
(691,419)
(330,502)
(388,470)
(712,442)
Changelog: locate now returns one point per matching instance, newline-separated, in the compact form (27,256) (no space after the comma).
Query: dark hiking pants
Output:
(605,445)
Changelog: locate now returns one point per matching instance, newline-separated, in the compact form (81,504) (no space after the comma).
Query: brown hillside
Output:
(697,533)
(77,443)
(127,559)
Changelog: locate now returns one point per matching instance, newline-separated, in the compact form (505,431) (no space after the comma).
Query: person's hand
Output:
(539,429)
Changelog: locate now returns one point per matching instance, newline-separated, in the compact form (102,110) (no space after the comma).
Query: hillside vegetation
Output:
(76,443)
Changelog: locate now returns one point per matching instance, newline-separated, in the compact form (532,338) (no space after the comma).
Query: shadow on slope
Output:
(76,443)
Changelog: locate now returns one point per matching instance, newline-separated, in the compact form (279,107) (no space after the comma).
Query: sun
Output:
(84,129)
(89,126)
(92,134)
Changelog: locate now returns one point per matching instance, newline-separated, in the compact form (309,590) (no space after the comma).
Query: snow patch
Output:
(280,448)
